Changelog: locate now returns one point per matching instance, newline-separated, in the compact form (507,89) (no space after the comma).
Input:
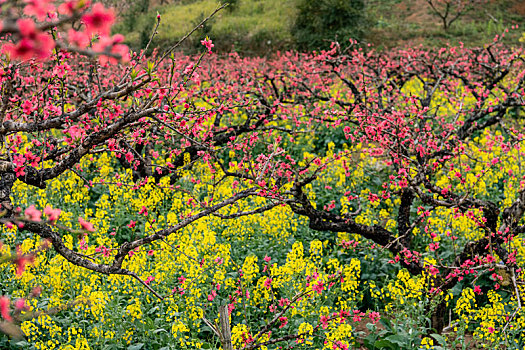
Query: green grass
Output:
(256,26)
(259,27)
(400,23)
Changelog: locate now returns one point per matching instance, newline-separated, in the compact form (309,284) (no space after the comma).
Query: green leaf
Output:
(440,339)
(383,343)
(136,346)
(386,323)
(397,339)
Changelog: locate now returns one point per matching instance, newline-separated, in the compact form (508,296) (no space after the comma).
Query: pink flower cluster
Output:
(208,44)
(30,38)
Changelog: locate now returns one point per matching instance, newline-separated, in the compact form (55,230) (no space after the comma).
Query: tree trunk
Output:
(225,331)
(437,316)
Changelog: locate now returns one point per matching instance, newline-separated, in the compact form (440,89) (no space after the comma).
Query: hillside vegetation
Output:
(260,27)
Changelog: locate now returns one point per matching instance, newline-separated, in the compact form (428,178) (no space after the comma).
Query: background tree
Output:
(450,10)
(320,22)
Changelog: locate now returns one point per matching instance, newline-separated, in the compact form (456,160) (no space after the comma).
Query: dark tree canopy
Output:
(319,22)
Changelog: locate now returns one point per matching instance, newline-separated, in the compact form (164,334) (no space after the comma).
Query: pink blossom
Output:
(86,225)
(324,321)
(208,44)
(212,295)
(70,6)
(22,260)
(112,45)
(144,211)
(27,107)
(36,291)
(33,214)
(38,8)
(33,44)
(19,171)
(99,20)
(74,132)
(283,302)
(129,157)
(339,345)
(52,214)
(268,283)
(4,308)
(20,304)
(357,316)
(433,270)
(149,279)
(374,316)
(80,39)
(433,246)
(284,321)
(318,287)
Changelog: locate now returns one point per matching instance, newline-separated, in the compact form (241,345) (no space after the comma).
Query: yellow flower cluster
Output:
(204,263)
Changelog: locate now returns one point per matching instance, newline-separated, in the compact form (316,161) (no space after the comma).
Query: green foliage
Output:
(395,23)
(258,27)
(322,21)
(129,17)
(138,20)
(205,30)
(232,5)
